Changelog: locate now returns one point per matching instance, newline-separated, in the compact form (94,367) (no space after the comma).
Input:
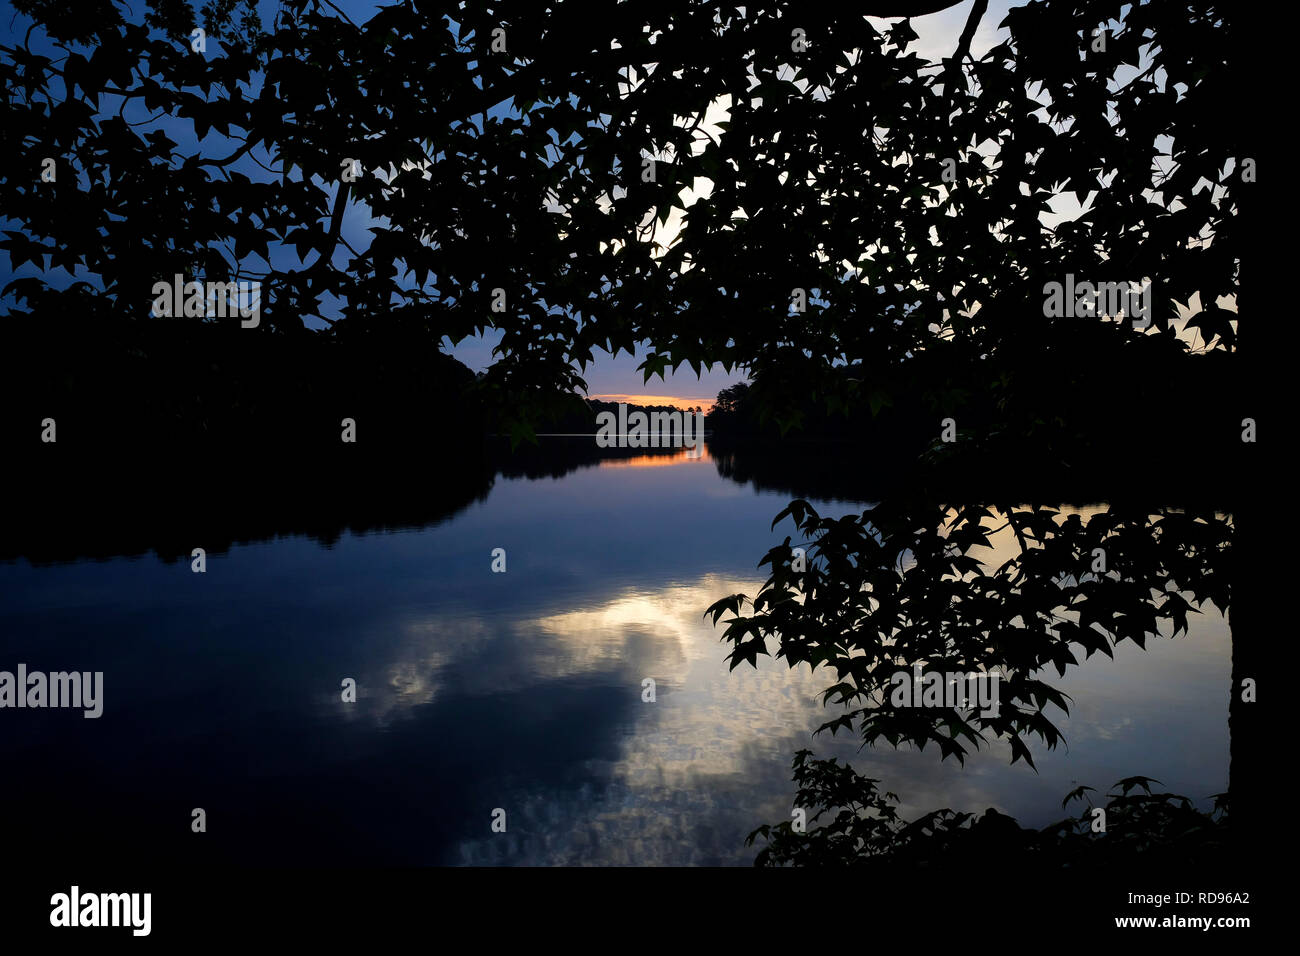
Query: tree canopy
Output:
(791,189)
(535,171)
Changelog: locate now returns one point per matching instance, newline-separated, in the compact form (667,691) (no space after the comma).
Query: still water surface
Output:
(520,691)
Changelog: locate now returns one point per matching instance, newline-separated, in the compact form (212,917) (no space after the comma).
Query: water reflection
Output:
(520,690)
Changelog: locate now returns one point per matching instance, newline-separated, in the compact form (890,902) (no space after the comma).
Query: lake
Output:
(521,691)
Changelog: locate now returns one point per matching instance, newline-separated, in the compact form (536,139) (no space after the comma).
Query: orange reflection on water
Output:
(658,461)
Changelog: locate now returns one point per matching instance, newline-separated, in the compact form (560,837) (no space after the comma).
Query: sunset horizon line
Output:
(673,401)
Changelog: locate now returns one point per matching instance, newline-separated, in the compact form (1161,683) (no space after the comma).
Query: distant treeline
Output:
(124,393)
(146,387)
(167,387)
(1084,408)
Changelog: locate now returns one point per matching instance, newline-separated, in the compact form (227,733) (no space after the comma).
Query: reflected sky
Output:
(520,690)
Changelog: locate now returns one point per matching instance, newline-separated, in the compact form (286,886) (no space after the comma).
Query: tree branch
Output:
(953,69)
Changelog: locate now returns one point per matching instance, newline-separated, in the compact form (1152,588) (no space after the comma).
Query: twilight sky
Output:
(609,378)
(616,379)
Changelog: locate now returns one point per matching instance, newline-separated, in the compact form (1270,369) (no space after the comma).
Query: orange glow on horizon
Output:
(670,400)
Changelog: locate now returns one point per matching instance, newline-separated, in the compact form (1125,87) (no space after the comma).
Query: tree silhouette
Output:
(871,217)
(512,191)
